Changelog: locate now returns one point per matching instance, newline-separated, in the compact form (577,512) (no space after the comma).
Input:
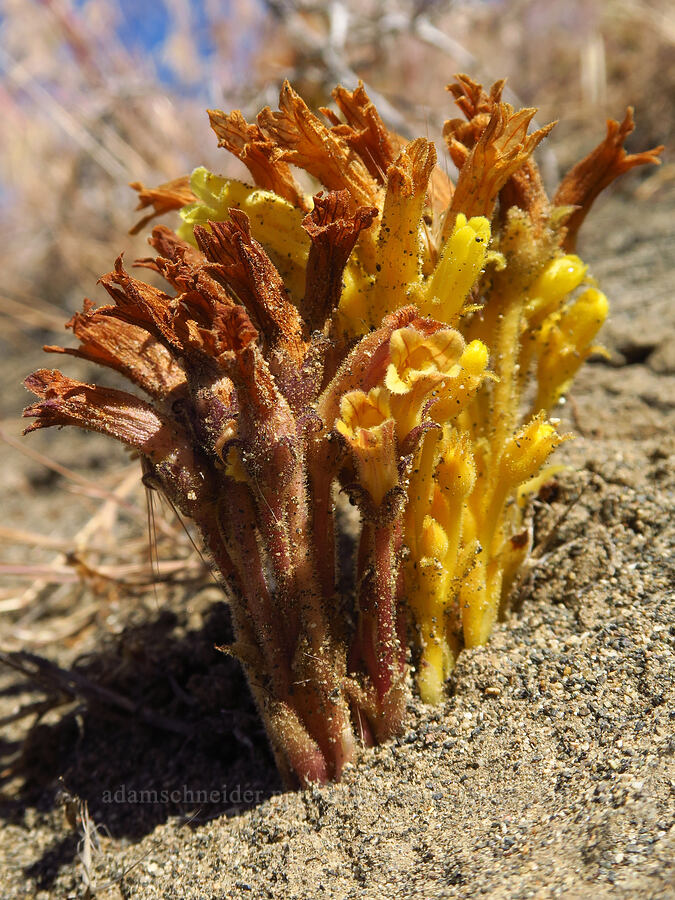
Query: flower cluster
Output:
(397,337)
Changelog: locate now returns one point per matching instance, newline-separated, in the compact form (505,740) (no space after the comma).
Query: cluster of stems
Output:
(397,338)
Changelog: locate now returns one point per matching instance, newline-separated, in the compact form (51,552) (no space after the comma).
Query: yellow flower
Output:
(527,451)
(436,371)
(366,425)
(559,278)
(416,357)
(565,342)
(275,223)
(401,245)
(460,264)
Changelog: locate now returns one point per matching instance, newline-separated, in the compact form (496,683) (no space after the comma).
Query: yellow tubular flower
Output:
(433,565)
(527,451)
(366,425)
(460,264)
(559,278)
(443,477)
(439,655)
(456,470)
(565,342)
(523,455)
(479,597)
(275,223)
(398,263)
(419,365)
(428,580)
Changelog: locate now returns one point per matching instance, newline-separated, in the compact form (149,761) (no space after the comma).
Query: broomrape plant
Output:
(395,336)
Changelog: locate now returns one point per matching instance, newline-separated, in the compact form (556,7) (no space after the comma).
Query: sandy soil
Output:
(548,772)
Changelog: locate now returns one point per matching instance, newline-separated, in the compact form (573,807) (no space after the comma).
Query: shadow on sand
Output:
(189,743)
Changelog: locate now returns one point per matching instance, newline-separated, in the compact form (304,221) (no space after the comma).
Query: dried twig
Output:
(55,680)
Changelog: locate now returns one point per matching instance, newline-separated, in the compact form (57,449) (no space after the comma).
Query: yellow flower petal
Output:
(415,355)
(369,431)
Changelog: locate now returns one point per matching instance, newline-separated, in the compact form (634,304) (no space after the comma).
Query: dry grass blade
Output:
(88,486)
(66,627)
(32,600)
(32,538)
(95,559)
(35,315)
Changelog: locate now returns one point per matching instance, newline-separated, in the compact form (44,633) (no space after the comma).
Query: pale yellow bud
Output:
(456,471)
(565,342)
(584,318)
(474,360)
(460,265)
(527,451)
(558,279)
(433,542)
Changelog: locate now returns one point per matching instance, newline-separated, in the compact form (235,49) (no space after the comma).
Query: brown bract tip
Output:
(364,130)
(164,198)
(167,243)
(333,230)
(595,172)
(258,152)
(241,263)
(410,174)
(118,414)
(126,348)
(500,151)
(477,106)
(473,100)
(139,304)
(305,141)
(235,328)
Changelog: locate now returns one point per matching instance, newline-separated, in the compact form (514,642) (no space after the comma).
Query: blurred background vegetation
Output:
(97,93)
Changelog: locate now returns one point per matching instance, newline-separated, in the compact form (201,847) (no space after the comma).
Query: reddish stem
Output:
(378,637)
(321,476)
(238,528)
